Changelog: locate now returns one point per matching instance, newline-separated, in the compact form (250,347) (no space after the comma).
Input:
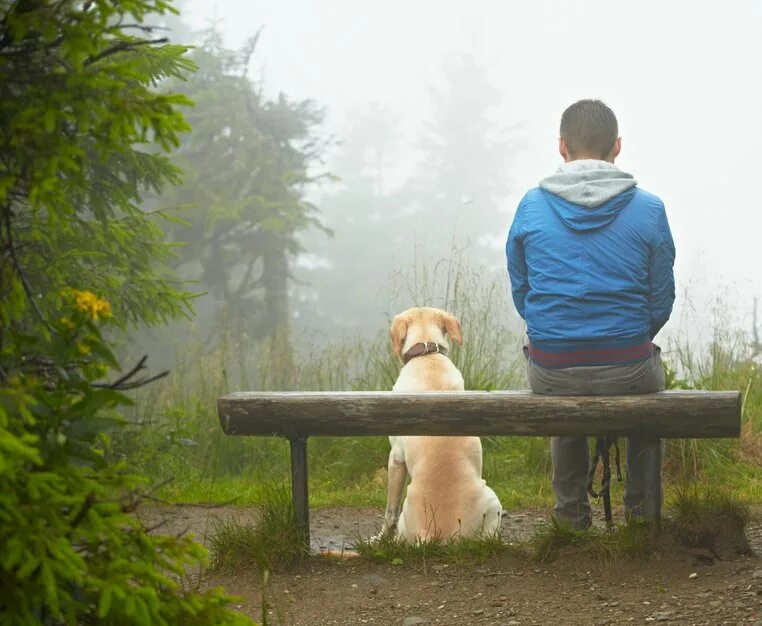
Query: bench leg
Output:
(652,497)
(299,493)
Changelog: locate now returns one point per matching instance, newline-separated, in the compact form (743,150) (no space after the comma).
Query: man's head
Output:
(589,130)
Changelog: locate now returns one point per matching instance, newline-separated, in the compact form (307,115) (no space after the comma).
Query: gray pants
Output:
(571,455)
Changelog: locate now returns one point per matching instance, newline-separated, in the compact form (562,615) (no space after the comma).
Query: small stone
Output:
(374,580)
(693,576)
(478,611)
(757,573)
(413,620)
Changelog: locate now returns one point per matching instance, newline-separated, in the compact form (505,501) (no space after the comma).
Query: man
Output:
(590,258)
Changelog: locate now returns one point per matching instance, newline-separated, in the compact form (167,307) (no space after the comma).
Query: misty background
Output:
(430,120)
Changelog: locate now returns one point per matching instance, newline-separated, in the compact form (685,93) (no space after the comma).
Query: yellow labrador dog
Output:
(447,496)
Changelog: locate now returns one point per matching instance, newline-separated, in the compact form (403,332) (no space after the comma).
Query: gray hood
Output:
(588,183)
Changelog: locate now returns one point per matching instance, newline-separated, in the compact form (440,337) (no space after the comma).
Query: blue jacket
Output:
(591,278)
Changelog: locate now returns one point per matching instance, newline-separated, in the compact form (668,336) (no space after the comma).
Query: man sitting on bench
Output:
(590,259)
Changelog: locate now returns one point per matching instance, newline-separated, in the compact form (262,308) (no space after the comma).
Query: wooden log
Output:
(669,414)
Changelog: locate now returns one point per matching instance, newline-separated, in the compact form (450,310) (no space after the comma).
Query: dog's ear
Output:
(452,328)
(398,332)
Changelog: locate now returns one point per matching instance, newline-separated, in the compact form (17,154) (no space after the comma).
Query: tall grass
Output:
(727,363)
(272,541)
(176,431)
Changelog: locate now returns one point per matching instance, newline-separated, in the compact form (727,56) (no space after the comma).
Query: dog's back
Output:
(446,494)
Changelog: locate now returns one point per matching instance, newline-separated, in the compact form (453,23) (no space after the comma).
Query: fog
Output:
(682,77)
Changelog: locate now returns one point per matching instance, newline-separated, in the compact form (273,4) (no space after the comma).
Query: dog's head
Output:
(423,324)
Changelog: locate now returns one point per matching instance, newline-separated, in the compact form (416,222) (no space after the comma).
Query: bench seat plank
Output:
(667,414)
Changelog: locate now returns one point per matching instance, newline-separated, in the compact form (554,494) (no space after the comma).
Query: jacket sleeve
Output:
(661,277)
(517,265)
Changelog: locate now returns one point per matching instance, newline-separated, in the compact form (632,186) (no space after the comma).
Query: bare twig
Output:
(158,486)
(19,269)
(248,52)
(88,504)
(124,383)
(183,532)
(150,529)
(756,346)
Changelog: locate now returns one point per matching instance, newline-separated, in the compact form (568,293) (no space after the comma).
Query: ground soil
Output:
(673,586)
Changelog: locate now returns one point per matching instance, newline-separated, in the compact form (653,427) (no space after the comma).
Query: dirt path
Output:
(501,591)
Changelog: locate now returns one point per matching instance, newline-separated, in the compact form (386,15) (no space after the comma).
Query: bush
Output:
(70,552)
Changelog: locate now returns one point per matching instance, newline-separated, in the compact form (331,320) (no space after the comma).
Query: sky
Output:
(682,77)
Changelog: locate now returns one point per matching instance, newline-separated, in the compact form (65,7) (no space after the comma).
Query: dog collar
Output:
(419,349)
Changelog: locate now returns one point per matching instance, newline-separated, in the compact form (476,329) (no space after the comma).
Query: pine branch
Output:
(143,27)
(124,46)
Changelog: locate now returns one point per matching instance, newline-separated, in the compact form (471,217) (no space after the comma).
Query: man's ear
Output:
(398,332)
(563,150)
(452,328)
(617,148)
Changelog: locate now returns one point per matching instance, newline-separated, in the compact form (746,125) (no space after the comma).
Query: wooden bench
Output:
(299,415)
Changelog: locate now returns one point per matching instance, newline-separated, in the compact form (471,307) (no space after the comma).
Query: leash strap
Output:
(602,447)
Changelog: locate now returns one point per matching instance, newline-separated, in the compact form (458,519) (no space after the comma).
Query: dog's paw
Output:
(386,533)
(376,538)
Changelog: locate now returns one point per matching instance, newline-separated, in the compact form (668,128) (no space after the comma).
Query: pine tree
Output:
(464,173)
(247,164)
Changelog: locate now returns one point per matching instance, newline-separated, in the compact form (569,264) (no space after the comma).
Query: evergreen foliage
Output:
(78,117)
(70,552)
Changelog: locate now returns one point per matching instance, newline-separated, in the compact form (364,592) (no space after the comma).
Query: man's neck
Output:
(589,158)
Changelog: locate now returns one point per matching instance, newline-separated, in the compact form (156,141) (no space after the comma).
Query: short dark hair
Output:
(589,128)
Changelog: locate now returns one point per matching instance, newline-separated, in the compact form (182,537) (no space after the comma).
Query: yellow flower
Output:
(89,303)
(67,323)
(83,349)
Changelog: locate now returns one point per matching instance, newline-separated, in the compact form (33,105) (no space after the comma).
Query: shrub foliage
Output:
(80,125)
